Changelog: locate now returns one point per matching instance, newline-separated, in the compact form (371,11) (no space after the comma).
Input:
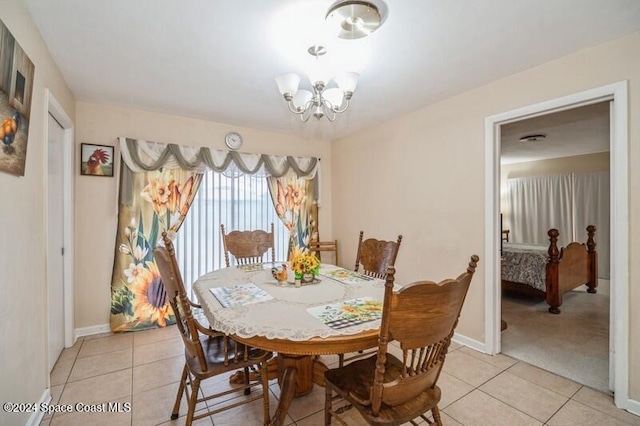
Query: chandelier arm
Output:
(329,110)
(307,111)
(346,104)
(293,108)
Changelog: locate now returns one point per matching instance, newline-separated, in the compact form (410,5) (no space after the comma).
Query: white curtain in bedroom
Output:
(569,203)
(591,194)
(537,204)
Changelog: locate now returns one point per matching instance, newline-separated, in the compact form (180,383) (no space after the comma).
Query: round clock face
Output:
(233,140)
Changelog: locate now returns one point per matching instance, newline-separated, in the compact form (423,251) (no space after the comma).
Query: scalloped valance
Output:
(140,155)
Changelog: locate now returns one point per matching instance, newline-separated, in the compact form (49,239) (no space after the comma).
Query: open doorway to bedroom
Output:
(555,174)
(617,93)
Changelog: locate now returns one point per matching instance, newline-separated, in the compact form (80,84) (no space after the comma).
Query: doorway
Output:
(555,174)
(619,322)
(59,228)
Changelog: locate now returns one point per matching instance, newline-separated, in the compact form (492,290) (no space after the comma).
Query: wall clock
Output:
(233,140)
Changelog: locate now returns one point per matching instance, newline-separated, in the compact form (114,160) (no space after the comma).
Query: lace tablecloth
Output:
(285,316)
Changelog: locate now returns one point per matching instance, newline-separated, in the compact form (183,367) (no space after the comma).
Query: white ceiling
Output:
(577,131)
(216,60)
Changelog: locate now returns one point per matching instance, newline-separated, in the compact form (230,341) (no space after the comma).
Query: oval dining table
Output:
(284,325)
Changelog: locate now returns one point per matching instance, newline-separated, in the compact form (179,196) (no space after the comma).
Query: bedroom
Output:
(546,159)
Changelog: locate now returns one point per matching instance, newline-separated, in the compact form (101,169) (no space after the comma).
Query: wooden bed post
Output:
(593,260)
(554,298)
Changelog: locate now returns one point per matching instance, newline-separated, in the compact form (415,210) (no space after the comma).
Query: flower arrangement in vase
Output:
(305,266)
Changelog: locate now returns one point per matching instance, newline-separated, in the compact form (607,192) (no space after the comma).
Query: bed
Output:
(549,271)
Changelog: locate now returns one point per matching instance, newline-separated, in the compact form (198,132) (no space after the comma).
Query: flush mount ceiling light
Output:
(353,19)
(320,101)
(532,138)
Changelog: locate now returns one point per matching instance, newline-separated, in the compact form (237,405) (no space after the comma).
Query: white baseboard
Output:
(37,416)
(89,331)
(467,341)
(633,407)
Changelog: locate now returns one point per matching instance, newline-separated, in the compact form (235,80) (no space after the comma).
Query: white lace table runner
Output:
(286,315)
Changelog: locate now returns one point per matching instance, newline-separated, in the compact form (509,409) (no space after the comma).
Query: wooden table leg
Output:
(318,372)
(309,371)
(287,393)
(303,364)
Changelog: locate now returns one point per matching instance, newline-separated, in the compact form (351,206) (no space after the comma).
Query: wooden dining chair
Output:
(386,390)
(375,256)
(317,247)
(208,353)
(248,247)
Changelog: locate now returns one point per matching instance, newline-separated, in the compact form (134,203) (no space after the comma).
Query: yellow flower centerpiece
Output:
(304,265)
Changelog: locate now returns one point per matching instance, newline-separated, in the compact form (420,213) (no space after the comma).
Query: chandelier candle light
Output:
(321,101)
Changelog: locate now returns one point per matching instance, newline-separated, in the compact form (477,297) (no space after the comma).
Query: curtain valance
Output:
(141,155)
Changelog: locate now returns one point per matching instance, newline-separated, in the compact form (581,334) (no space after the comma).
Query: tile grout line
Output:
(64,385)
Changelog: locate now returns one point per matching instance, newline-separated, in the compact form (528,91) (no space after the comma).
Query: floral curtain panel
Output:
(294,200)
(159,202)
(158,183)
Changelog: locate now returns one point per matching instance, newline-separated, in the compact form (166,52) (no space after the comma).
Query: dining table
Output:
(339,312)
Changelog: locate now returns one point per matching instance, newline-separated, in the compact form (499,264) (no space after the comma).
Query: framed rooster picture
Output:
(96,160)
(16,90)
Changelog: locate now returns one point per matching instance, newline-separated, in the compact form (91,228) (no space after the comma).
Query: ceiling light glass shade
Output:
(288,83)
(301,98)
(318,74)
(353,19)
(347,81)
(333,95)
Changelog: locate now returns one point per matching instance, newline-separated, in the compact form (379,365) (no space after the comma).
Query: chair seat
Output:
(214,352)
(356,379)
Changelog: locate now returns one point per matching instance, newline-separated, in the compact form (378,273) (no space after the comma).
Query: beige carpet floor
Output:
(573,344)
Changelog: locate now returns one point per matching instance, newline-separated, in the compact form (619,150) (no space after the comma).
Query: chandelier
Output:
(320,101)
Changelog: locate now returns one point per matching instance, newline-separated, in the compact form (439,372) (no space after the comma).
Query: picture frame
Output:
(16,93)
(96,160)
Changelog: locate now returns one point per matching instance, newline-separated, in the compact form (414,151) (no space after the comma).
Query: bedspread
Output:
(525,266)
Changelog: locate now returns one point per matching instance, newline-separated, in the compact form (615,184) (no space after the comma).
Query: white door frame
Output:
(619,326)
(53,107)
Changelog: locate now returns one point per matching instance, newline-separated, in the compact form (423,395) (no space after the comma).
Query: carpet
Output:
(573,344)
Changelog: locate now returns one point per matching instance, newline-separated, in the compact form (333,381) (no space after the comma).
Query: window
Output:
(240,203)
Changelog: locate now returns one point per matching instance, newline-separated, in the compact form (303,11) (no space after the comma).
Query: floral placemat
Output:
(345,276)
(240,295)
(348,313)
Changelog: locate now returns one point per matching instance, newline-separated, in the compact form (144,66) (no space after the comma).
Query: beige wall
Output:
(423,175)
(96,206)
(24,351)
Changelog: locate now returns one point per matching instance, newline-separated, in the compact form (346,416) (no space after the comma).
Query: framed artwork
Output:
(96,160)
(16,89)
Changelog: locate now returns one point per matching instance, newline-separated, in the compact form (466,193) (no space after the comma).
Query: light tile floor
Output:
(143,369)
